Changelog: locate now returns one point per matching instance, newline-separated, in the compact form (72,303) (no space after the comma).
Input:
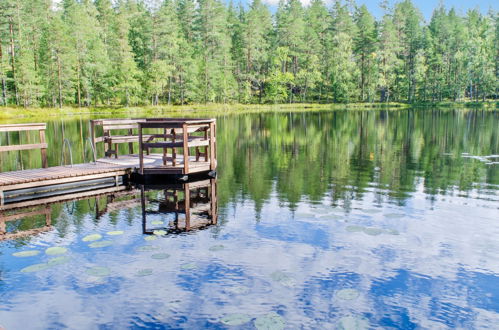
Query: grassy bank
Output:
(214,109)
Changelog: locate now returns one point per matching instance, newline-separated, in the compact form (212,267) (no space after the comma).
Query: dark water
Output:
(345,219)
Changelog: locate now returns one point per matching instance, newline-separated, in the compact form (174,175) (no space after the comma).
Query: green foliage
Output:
(135,52)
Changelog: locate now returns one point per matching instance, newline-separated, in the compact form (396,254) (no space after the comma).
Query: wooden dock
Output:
(188,146)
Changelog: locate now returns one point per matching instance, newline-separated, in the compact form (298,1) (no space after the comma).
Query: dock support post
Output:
(187,207)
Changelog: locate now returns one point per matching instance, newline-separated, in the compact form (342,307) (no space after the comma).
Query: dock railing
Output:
(183,133)
(42,145)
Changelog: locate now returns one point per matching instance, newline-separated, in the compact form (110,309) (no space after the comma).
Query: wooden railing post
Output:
(212,146)
(43,150)
(186,148)
(141,150)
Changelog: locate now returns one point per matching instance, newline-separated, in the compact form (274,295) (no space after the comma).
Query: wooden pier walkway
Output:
(195,138)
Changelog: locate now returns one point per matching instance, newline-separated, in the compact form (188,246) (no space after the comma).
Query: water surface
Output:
(335,219)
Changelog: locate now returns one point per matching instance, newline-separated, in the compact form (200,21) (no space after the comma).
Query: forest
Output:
(153,52)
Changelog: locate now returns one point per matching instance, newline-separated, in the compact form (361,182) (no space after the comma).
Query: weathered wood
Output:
(212,146)
(23,147)
(23,127)
(43,150)
(186,148)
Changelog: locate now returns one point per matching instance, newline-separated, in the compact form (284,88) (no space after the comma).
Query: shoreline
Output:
(8,112)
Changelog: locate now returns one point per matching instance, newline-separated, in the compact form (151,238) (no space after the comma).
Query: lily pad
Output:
(271,321)
(283,278)
(216,248)
(353,323)
(160,256)
(239,289)
(189,266)
(347,294)
(115,232)
(35,268)
(159,232)
(52,251)
(91,238)
(144,272)
(150,238)
(146,248)
(373,231)
(58,260)
(157,222)
(354,229)
(100,244)
(235,319)
(371,211)
(28,253)
(98,271)
(393,232)
(394,215)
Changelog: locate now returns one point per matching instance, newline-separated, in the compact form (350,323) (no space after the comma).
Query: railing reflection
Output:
(180,208)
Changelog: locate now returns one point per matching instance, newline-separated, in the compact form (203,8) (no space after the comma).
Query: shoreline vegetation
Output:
(19,112)
(134,53)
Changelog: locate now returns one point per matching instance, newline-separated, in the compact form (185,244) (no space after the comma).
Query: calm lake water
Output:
(341,219)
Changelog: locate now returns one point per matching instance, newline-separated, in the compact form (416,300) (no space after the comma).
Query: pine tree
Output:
(365,42)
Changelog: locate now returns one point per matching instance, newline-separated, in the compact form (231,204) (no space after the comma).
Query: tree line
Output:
(135,52)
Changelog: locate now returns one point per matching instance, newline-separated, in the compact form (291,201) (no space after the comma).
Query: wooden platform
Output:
(19,182)
(153,164)
(188,147)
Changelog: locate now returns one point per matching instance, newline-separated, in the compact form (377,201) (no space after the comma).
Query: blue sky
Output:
(426,6)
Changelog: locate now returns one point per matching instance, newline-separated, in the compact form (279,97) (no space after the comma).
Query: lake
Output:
(320,220)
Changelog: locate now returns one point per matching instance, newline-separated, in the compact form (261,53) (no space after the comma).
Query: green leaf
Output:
(93,237)
(235,319)
(52,251)
(115,232)
(271,321)
(100,244)
(28,253)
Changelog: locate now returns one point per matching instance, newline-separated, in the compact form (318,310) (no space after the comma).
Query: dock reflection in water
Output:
(179,207)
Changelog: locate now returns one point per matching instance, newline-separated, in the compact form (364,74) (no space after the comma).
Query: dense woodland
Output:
(133,52)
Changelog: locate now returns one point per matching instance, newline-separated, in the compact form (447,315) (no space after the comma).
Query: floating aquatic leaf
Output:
(115,232)
(100,244)
(150,238)
(52,251)
(304,215)
(235,319)
(217,248)
(393,232)
(98,271)
(347,294)
(283,278)
(28,253)
(159,232)
(271,321)
(91,238)
(394,215)
(373,231)
(144,272)
(189,266)
(58,260)
(330,217)
(239,289)
(354,229)
(353,323)
(146,248)
(35,268)
(157,222)
(160,256)
(371,211)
